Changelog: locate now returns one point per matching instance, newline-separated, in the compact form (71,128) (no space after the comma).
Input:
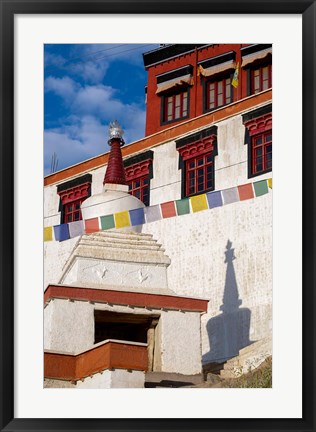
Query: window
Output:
(216,75)
(173,88)
(72,194)
(257,61)
(197,153)
(261,78)
(258,135)
(199,174)
(138,172)
(140,189)
(175,106)
(262,153)
(72,211)
(218,93)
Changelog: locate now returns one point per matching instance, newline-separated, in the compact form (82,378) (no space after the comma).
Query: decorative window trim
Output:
(256,122)
(175,79)
(73,191)
(201,143)
(254,53)
(219,64)
(139,167)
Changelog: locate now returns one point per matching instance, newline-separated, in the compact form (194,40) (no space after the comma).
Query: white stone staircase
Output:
(249,358)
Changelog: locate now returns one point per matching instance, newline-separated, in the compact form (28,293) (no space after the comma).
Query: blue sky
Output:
(86,87)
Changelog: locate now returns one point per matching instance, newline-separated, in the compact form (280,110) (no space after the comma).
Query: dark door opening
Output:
(122,326)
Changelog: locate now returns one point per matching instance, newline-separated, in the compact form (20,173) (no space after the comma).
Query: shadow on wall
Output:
(229,331)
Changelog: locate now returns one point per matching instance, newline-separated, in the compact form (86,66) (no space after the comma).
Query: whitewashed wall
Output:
(197,243)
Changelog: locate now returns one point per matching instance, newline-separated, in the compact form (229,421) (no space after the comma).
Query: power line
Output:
(85,55)
(99,58)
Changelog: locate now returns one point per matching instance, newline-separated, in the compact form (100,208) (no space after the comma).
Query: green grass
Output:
(259,378)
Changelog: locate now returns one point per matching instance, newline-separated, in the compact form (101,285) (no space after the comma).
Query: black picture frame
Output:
(9,8)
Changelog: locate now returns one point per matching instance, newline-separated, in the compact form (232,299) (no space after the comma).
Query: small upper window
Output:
(218,93)
(175,106)
(261,78)
(173,88)
(257,61)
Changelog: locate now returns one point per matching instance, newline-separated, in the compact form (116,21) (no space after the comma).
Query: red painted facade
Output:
(196,97)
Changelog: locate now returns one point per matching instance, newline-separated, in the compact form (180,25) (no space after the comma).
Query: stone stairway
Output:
(249,358)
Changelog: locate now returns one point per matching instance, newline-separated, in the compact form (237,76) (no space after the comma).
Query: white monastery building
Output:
(158,254)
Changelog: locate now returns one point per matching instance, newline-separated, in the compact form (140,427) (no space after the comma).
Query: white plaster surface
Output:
(68,325)
(239,288)
(166,182)
(55,257)
(117,378)
(109,202)
(92,271)
(180,342)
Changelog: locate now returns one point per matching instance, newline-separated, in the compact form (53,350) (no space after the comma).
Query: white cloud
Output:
(81,138)
(64,87)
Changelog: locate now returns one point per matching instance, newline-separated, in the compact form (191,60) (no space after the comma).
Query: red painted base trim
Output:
(110,355)
(125,298)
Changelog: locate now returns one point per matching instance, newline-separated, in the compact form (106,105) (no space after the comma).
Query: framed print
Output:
(136,151)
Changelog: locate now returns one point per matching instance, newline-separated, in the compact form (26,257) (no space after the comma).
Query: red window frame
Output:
(140,189)
(260,81)
(198,165)
(261,148)
(71,199)
(138,180)
(176,106)
(199,172)
(259,144)
(72,211)
(223,92)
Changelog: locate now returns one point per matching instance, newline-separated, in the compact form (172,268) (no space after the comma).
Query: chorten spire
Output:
(115,173)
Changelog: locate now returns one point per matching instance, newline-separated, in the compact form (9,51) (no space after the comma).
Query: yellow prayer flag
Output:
(198,203)
(235,81)
(270,183)
(48,233)
(122,219)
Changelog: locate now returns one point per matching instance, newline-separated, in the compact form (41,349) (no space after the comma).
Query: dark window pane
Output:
(69,218)
(268,138)
(146,181)
(77,216)
(137,184)
(200,162)
(209,184)
(209,169)
(258,140)
(192,164)
(137,194)
(209,158)
(200,172)
(200,187)
(259,152)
